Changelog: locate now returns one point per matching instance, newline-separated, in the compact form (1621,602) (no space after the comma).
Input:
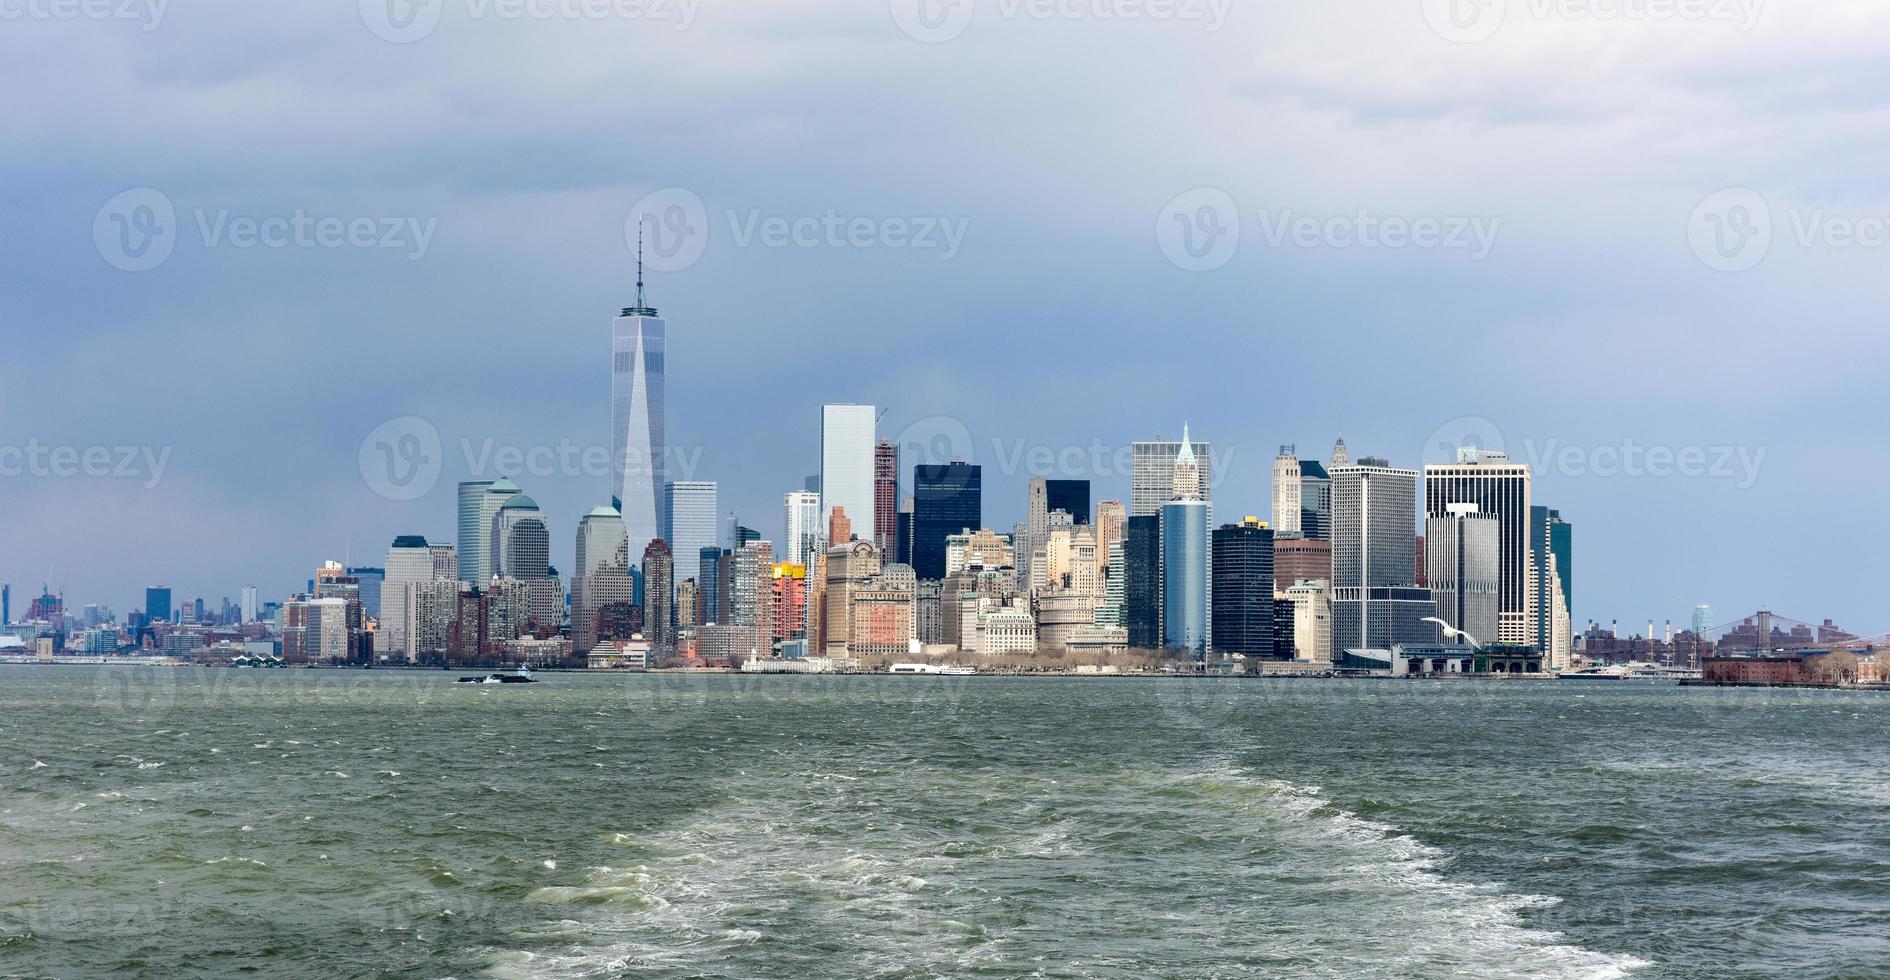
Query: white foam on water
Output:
(1434,925)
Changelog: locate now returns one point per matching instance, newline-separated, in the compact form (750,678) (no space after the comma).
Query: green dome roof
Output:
(518,501)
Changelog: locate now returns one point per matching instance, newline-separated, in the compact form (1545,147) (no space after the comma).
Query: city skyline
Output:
(1597,332)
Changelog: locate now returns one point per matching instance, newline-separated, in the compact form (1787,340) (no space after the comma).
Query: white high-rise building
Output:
(639,453)
(847,436)
(693,525)
(408,563)
(804,532)
(1286,493)
(603,573)
(249,603)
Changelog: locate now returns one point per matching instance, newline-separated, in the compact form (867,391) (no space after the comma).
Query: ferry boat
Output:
(523,676)
(930,670)
(1639,671)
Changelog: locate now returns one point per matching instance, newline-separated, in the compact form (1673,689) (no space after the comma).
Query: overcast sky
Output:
(1641,247)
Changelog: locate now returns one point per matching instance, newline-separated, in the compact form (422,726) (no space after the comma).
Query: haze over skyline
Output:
(1042,269)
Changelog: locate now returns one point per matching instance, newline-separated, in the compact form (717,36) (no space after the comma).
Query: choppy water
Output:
(167,823)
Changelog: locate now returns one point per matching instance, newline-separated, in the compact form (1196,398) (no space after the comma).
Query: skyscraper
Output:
(157,604)
(1315,501)
(1552,553)
(1243,589)
(659,571)
(479,504)
(1500,488)
(1463,559)
(801,521)
(1186,557)
(409,562)
(1286,493)
(1375,602)
(886,496)
(1070,497)
(1152,474)
(602,578)
(639,452)
(693,525)
(846,463)
(249,604)
(947,500)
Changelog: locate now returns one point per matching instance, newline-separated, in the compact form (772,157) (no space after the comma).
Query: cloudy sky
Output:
(1640,245)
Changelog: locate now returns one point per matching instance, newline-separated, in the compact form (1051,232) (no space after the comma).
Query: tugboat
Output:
(523,676)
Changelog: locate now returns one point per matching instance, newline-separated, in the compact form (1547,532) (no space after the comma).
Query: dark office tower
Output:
(946,500)
(658,615)
(1315,501)
(743,535)
(886,495)
(157,604)
(902,544)
(708,573)
(1070,497)
(1243,589)
(1142,582)
(6,604)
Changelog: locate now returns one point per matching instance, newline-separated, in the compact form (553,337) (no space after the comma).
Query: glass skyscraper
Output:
(846,465)
(1243,589)
(1185,567)
(694,524)
(639,453)
(479,504)
(946,500)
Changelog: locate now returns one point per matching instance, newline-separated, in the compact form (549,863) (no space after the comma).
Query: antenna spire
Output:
(641,309)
